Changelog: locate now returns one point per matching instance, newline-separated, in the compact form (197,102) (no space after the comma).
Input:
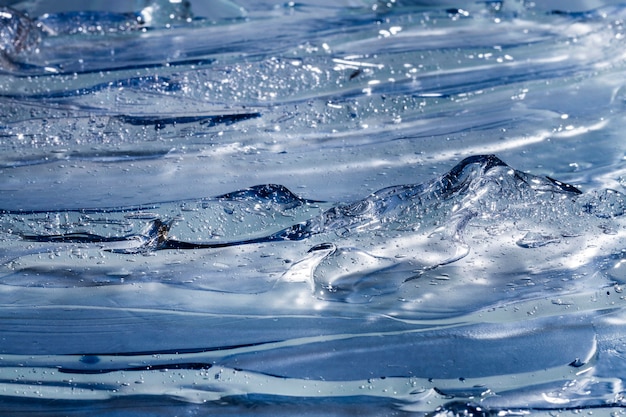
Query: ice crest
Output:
(466,224)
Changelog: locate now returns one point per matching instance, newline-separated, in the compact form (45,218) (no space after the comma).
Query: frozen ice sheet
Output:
(142,270)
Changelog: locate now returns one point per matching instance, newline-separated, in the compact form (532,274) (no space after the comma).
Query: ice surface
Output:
(341,294)
(355,250)
(437,229)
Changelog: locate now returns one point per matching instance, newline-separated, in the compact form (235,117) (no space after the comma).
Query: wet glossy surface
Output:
(312,208)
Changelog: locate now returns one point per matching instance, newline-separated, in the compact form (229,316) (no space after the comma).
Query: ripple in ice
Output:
(484,288)
(482,223)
